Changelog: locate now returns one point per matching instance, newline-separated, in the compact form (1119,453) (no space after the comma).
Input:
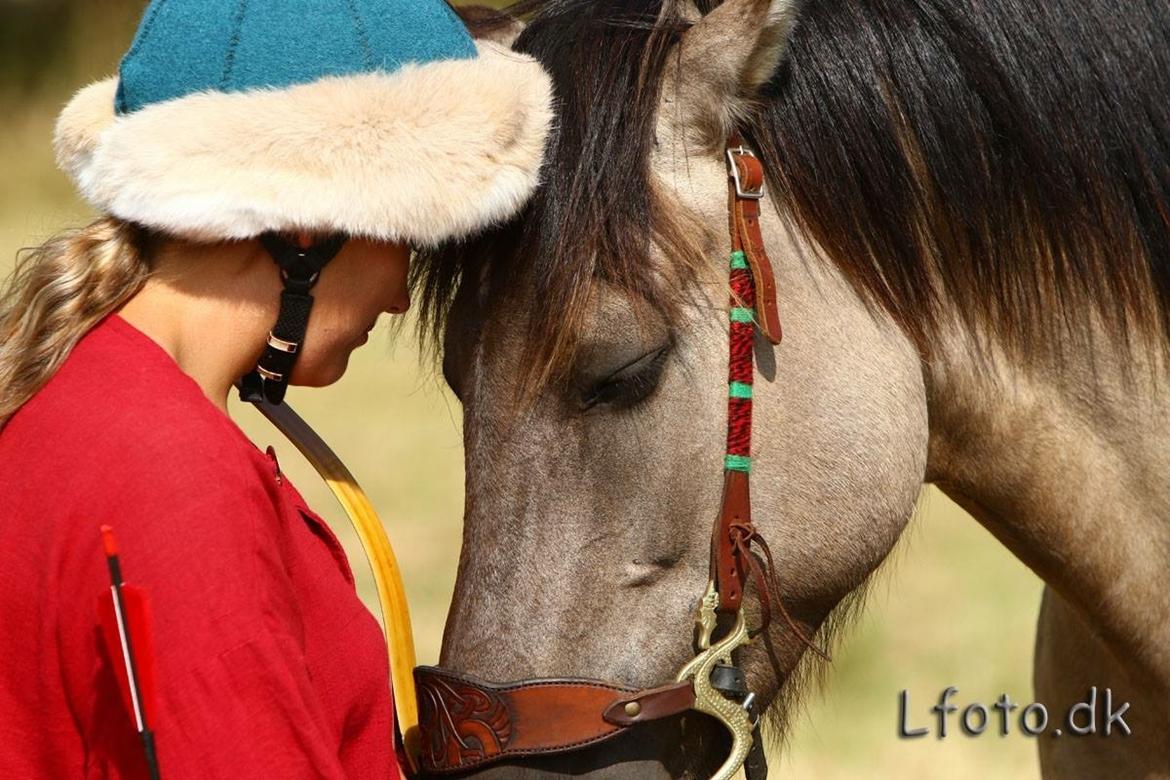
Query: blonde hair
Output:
(57,293)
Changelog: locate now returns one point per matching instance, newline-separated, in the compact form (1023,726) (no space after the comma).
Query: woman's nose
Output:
(399,303)
(398,256)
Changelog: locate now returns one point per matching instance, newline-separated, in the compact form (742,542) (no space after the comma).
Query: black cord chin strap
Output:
(300,269)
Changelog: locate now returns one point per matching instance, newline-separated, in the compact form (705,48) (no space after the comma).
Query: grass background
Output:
(951,607)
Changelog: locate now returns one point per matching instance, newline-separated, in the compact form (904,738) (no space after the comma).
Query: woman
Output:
(262,176)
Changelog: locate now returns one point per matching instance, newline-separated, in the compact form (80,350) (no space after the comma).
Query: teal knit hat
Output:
(375,118)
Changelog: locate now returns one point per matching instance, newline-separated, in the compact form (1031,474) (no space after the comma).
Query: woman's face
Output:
(366,279)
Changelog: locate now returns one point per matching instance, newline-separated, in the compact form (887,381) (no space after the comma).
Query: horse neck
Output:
(1065,461)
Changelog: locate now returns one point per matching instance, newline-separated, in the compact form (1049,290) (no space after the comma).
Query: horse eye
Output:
(628,385)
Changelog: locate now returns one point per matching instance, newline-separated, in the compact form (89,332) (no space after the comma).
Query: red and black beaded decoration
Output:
(740,366)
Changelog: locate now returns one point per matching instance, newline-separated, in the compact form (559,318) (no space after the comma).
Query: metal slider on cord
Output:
(284,346)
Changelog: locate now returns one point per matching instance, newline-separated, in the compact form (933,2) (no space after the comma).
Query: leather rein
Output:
(466,723)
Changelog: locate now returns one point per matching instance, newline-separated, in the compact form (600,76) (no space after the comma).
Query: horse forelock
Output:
(1003,163)
(597,212)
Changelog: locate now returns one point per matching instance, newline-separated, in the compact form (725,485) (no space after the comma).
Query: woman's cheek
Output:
(330,341)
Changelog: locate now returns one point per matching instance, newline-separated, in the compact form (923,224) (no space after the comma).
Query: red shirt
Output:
(268,665)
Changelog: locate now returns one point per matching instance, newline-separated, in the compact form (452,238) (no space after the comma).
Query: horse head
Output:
(588,344)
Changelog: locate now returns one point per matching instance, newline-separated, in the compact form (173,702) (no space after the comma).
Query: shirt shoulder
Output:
(120,420)
(120,397)
(120,436)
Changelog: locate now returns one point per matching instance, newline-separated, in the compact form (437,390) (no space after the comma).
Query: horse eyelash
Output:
(622,390)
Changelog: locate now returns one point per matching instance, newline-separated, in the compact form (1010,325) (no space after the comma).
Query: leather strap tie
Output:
(763,574)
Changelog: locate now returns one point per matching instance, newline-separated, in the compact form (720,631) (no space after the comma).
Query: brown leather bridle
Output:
(467,723)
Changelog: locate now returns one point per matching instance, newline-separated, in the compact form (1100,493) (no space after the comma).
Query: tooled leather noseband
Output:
(467,723)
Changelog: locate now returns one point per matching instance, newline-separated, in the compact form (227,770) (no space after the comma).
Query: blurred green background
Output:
(951,607)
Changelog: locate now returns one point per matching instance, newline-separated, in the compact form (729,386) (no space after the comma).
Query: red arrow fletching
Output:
(138,623)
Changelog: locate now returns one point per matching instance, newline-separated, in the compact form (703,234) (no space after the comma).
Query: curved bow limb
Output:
(383,564)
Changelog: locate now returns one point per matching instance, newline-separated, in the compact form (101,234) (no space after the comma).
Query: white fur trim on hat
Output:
(424,154)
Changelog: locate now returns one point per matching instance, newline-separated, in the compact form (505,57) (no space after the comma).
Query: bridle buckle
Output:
(740,192)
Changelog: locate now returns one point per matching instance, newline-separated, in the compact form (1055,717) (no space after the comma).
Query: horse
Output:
(968,213)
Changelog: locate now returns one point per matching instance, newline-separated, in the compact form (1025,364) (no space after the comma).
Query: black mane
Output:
(1019,148)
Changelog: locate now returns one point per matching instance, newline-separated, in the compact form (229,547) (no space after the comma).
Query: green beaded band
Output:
(742,314)
(739,390)
(737,463)
(739,261)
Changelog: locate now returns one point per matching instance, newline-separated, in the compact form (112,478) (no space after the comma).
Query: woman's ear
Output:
(722,62)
